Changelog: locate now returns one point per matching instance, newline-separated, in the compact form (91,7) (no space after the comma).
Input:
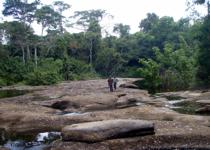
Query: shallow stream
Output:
(41,141)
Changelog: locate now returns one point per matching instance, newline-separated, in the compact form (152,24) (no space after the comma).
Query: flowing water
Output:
(183,105)
(41,141)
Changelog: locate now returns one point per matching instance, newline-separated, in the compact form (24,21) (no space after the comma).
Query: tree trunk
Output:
(61,26)
(23,54)
(91,52)
(42,31)
(28,53)
(35,56)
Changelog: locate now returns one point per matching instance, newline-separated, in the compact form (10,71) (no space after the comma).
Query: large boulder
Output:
(108,129)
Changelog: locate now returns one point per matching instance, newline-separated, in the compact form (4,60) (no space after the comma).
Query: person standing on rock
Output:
(115,80)
(110,83)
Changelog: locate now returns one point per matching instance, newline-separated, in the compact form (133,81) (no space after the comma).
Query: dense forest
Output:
(168,54)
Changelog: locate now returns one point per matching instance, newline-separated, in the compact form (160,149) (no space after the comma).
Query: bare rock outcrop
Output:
(108,129)
(57,107)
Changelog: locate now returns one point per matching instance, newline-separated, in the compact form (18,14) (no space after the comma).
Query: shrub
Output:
(172,69)
(73,69)
(2,82)
(46,73)
(42,78)
(12,70)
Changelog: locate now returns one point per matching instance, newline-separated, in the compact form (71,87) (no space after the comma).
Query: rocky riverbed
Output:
(176,120)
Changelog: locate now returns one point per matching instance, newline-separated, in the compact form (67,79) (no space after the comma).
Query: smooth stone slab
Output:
(108,129)
(203,102)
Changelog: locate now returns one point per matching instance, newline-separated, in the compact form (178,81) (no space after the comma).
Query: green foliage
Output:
(58,45)
(204,54)
(60,7)
(148,23)
(47,73)
(109,62)
(12,70)
(122,30)
(129,72)
(16,32)
(150,73)
(73,69)
(21,10)
(87,16)
(42,78)
(47,17)
(171,69)
(167,60)
(3,82)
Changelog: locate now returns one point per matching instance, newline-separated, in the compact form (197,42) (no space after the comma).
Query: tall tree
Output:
(109,62)
(21,10)
(84,18)
(60,7)
(204,55)
(89,20)
(147,24)
(47,17)
(24,12)
(122,30)
(16,34)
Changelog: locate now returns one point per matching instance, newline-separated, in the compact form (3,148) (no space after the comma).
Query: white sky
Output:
(129,12)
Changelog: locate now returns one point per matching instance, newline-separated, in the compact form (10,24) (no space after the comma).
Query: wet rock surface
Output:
(52,108)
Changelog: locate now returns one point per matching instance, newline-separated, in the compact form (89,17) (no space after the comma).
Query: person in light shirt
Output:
(115,80)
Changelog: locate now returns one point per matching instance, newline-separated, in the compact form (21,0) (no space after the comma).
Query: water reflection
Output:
(12,93)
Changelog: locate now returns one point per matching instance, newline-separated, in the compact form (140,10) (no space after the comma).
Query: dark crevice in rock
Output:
(135,133)
(62,105)
(126,106)
(121,95)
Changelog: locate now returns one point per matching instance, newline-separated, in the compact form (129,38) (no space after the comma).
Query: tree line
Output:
(168,54)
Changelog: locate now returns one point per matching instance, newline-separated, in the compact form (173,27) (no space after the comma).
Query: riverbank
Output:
(51,108)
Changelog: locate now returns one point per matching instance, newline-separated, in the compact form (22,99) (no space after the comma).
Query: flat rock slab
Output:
(108,129)
(203,102)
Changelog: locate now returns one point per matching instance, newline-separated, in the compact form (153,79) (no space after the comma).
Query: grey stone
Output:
(203,102)
(108,129)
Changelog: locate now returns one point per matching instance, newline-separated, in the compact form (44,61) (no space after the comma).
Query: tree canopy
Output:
(168,54)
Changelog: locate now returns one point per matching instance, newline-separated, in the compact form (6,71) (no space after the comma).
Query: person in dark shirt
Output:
(110,83)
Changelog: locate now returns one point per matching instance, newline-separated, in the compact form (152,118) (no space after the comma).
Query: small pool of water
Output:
(12,93)
(183,105)
(22,145)
(174,97)
(41,141)
(187,107)
(72,113)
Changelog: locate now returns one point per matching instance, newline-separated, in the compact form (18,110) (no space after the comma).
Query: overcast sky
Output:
(129,12)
